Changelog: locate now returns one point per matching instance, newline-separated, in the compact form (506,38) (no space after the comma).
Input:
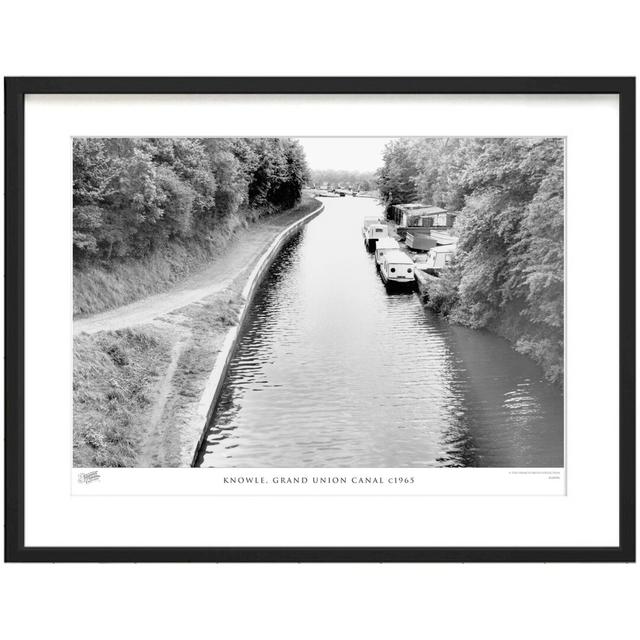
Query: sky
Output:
(354,154)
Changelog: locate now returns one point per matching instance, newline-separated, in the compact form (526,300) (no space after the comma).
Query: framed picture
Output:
(320,319)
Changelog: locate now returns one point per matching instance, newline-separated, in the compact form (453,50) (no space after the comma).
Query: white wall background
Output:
(328,38)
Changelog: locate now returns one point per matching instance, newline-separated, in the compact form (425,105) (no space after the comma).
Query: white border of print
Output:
(55,517)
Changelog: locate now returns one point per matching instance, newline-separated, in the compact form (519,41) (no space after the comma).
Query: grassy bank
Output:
(103,287)
(130,398)
(114,377)
(99,288)
(207,324)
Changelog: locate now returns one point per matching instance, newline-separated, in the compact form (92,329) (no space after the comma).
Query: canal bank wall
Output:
(213,387)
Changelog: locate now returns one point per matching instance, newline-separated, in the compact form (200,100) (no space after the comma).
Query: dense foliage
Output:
(131,196)
(508,274)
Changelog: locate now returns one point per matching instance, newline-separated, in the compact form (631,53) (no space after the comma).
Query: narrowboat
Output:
(367,221)
(419,241)
(397,270)
(374,233)
(436,259)
(383,246)
(420,214)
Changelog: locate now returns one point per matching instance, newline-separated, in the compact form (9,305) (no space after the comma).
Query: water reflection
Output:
(332,371)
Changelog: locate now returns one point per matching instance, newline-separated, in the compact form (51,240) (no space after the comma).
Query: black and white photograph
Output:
(318,302)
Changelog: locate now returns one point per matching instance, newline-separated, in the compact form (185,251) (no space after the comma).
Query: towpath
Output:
(240,254)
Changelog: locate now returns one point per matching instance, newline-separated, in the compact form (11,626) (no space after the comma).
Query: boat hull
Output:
(393,284)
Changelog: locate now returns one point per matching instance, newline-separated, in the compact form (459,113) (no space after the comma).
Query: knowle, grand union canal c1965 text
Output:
(301,479)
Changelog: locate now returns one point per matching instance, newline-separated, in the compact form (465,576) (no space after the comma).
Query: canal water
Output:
(333,371)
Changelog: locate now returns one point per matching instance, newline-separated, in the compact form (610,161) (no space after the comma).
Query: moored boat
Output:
(373,233)
(367,221)
(436,259)
(383,246)
(323,193)
(397,269)
(419,239)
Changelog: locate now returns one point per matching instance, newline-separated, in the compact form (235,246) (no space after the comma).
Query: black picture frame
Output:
(15,91)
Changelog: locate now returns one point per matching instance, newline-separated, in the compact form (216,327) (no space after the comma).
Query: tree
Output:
(396,178)
(133,195)
(364,180)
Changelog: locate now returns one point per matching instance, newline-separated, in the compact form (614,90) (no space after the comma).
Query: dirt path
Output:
(238,256)
(152,445)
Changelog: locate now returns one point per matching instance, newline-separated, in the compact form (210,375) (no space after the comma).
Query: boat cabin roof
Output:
(432,211)
(420,208)
(412,206)
(443,238)
(387,243)
(398,257)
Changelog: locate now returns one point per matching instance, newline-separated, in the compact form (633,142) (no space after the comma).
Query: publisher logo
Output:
(88,477)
